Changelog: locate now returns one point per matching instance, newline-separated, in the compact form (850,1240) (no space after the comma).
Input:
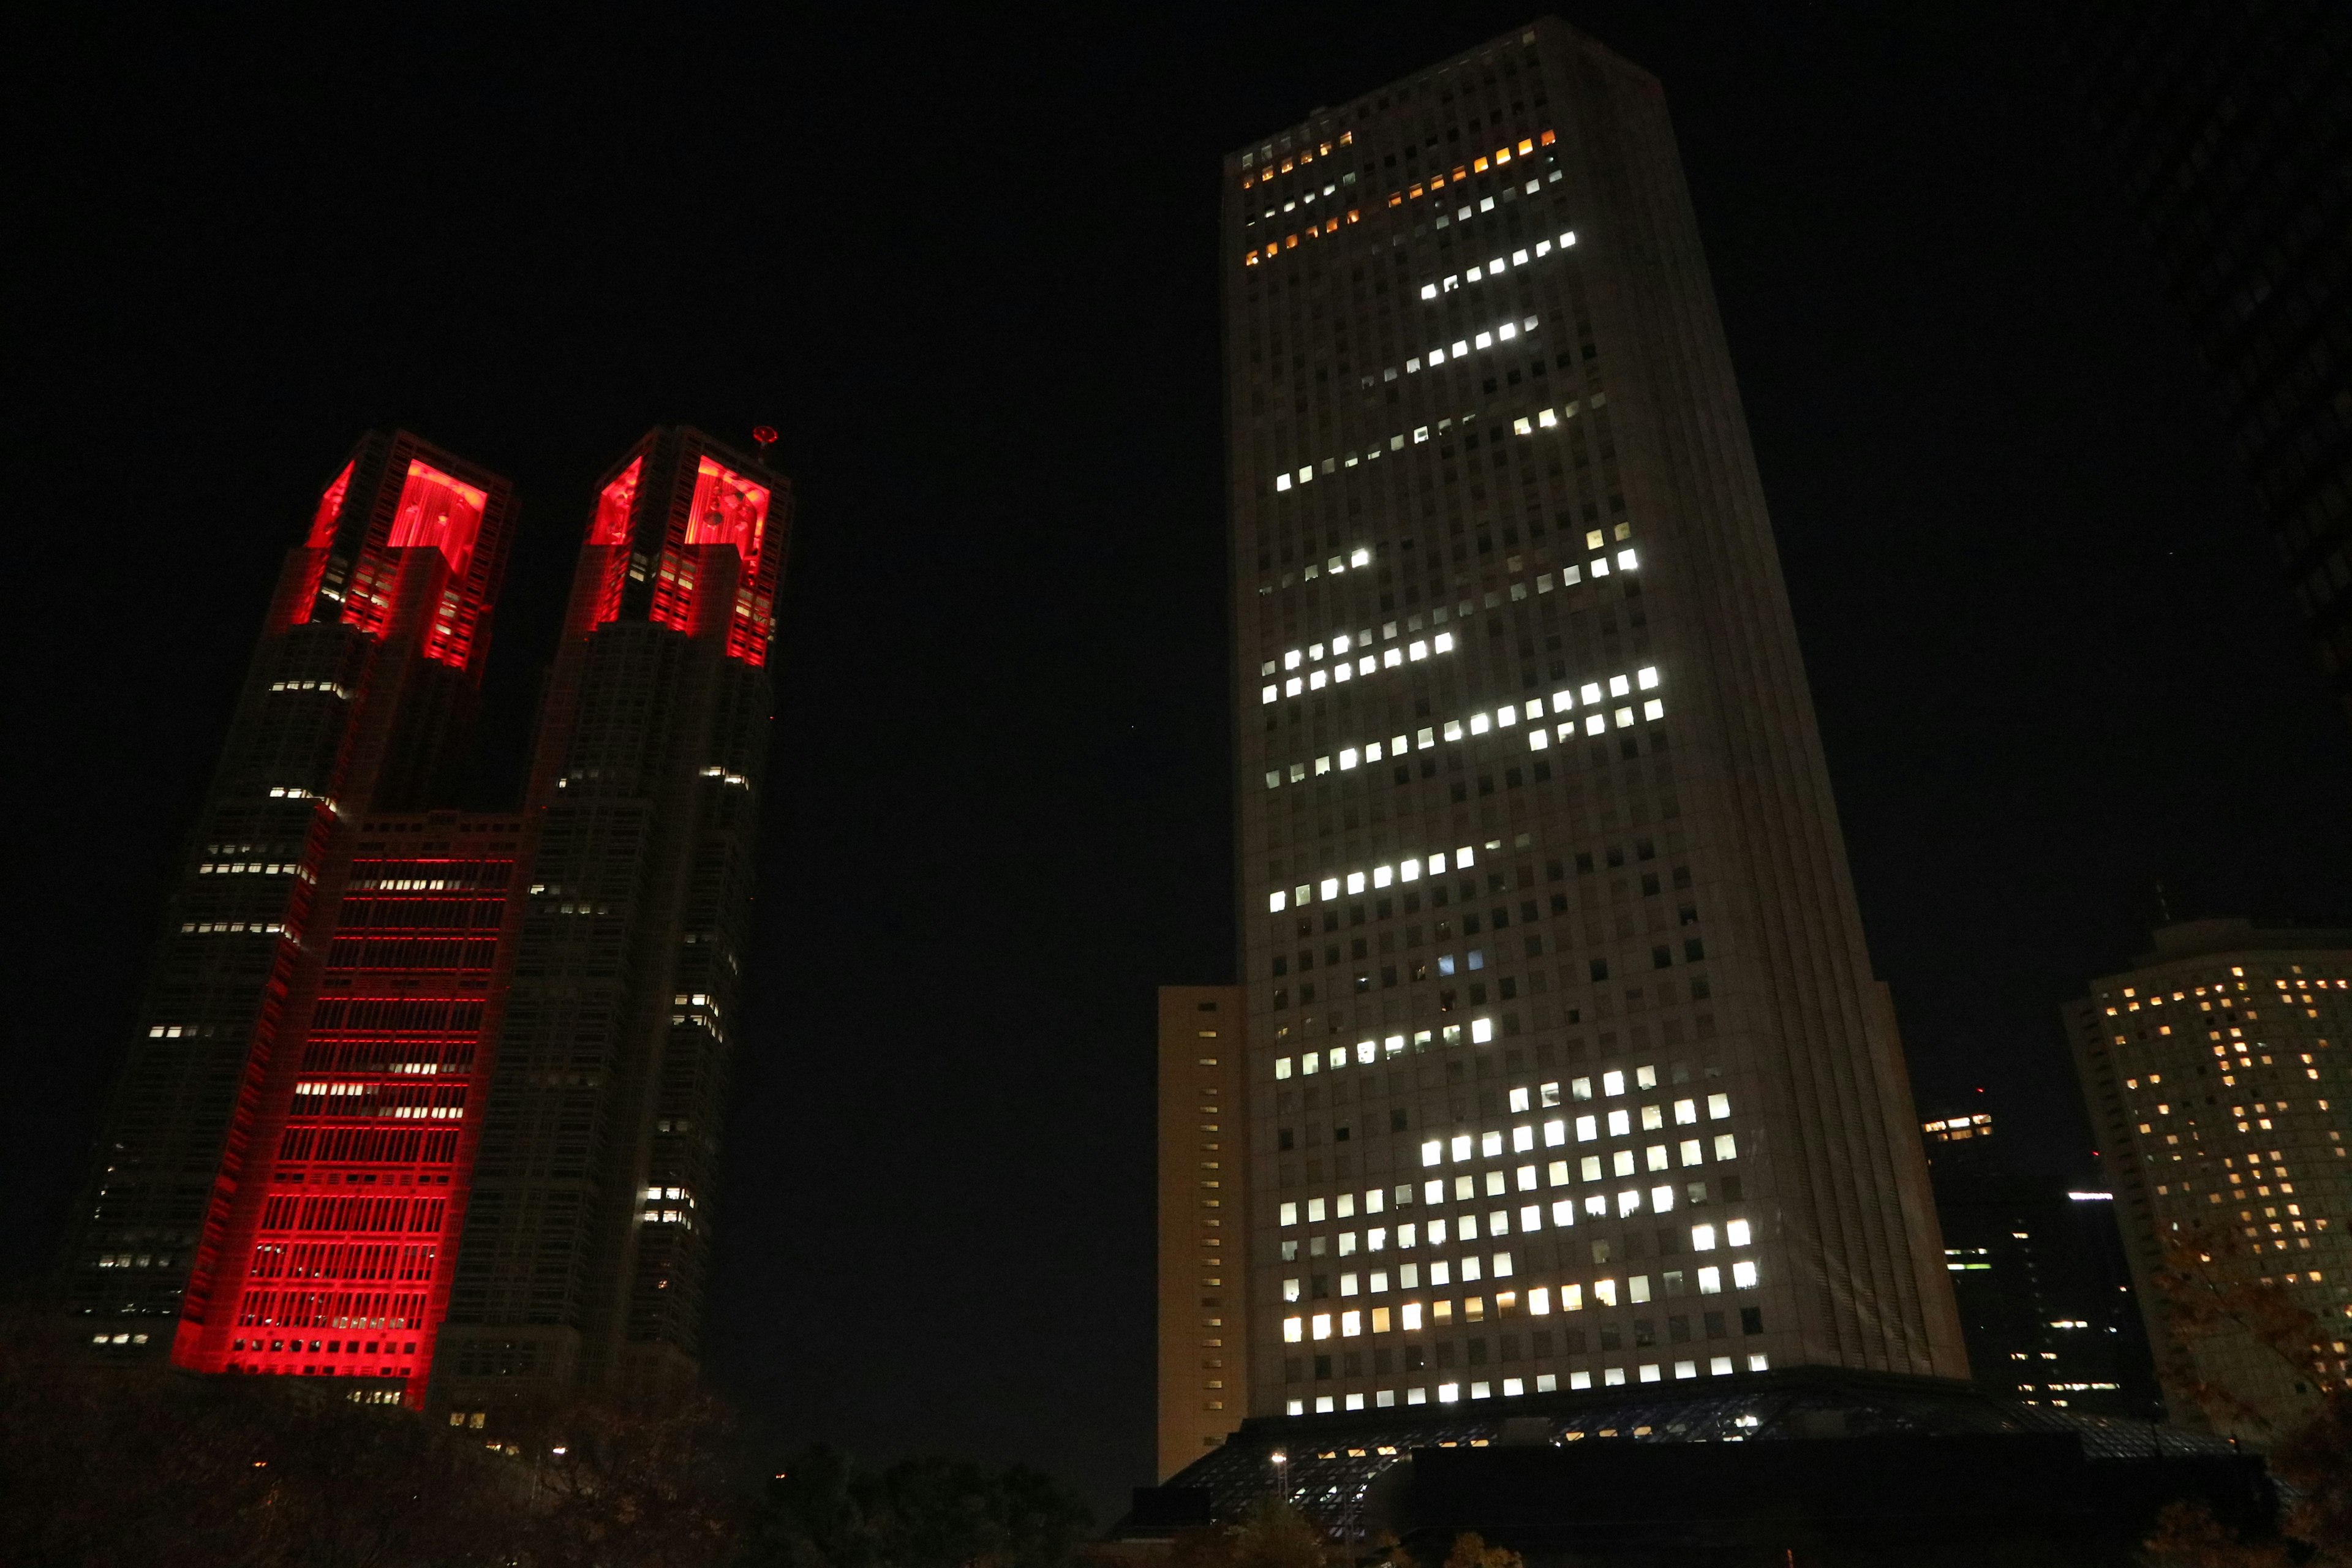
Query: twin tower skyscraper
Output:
(424,1100)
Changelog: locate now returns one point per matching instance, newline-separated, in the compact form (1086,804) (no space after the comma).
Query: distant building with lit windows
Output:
(389,1056)
(2038,1271)
(2217,1076)
(1204,1210)
(1566,1069)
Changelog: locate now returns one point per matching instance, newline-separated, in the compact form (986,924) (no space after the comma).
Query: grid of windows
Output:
(1529,803)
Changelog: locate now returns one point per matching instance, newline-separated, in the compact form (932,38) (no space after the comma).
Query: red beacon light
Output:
(765,435)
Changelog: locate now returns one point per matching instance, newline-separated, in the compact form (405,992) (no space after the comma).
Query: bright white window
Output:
(1315,1211)
(1690,1151)
(1735,1234)
(1321,1326)
(1290,1214)
(1648,675)
(1702,1238)
(1555,1133)
(1523,1139)
(1743,1276)
(1710,1281)
(1662,1199)
(1490,1144)
(1461,1149)
(1727,1147)
(1293,1331)
(1355,882)
(1480,1030)
(1275,902)
(1531,1217)
(1620,1122)
(1588,1128)
(1718,1106)
(1686,1111)
(1563,1212)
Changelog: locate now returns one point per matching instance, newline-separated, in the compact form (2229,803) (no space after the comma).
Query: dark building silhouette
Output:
(287,1162)
(2038,1271)
(2232,125)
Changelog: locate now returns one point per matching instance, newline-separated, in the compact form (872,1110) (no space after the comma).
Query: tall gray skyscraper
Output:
(1565,1065)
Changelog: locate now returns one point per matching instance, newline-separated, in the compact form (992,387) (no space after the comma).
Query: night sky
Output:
(967,264)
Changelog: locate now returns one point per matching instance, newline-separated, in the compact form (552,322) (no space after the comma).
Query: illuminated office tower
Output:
(369,662)
(1566,1066)
(588,1238)
(2215,1073)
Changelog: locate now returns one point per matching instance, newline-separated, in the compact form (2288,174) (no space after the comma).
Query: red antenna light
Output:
(765,435)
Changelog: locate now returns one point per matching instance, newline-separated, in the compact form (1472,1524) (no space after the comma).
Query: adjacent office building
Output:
(2215,1071)
(400,1070)
(2232,126)
(1564,1064)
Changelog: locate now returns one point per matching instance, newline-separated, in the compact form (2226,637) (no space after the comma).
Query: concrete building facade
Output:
(1566,1067)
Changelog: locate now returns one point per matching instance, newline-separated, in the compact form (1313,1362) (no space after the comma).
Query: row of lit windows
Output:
(1304,155)
(1622,1164)
(254,868)
(1330,225)
(1409,1316)
(1359,642)
(734,781)
(1507,717)
(1528,425)
(1464,1227)
(1514,1387)
(295,792)
(1346,670)
(1494,269)
(224,928)
(328,687)
(1419,435)
(1412,193)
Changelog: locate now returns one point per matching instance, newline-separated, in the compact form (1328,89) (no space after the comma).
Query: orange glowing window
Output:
(1502,155)
(1286,166)
(330,510)
(1346,138)
(1460,172)
(1397,199)
(1416,192)
(1528,146)
(1546,138)
(439,513)
(613,506)
(1479,164)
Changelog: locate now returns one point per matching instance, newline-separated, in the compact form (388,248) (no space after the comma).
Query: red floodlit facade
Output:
(340,1255)
(288,1161)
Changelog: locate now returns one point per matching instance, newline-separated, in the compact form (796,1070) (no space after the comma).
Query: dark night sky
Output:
(967,262)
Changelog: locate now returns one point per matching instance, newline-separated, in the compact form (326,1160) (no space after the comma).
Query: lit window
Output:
(1718,1106)
(1710,1281)
(1743,1276)
(1702,1238)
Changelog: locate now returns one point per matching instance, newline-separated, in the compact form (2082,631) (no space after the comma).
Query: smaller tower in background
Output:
(2215,1069)
(2039,1275)
(1204,1241)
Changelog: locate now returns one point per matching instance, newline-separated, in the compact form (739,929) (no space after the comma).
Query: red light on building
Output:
(439,511)
(331,509)
(613,506)
(339,1254)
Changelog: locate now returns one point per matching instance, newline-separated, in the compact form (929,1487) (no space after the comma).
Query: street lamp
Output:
(1281,1473)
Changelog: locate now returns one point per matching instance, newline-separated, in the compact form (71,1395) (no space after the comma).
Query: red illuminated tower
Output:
(370,658)
(314,1111)
(587,1250)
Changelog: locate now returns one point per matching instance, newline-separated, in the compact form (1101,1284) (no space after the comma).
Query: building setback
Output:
(1565,1067)
(286,1170)
(2214,1070)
